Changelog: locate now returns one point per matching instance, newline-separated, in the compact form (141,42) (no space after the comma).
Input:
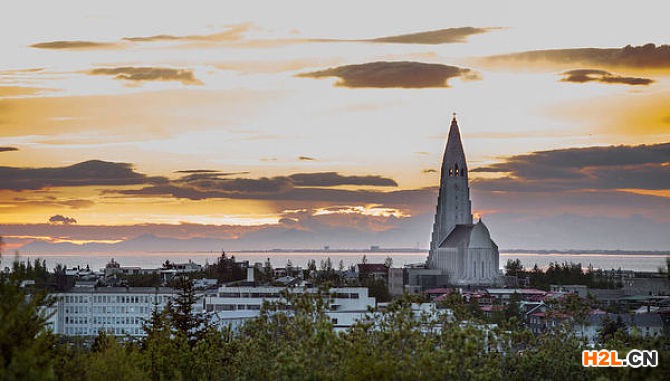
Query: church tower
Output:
(453,200)
(460,250)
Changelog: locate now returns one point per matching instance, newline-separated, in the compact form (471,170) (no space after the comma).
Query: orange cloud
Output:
(12,91)
(76,45)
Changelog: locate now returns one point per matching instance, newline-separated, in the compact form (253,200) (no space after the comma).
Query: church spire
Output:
(453,202)
(453,163)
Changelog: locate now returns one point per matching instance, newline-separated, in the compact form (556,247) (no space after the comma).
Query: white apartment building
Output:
(232,306)
(118,311)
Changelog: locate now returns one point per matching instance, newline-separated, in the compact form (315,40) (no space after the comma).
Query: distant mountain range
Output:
(153,243)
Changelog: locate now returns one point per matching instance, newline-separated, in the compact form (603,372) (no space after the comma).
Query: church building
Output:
(459,248)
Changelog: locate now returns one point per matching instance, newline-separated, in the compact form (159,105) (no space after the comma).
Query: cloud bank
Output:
(93,172)
(129,73)
(648,56)
(593,75)
(400,74)
(611,167)
(433,37)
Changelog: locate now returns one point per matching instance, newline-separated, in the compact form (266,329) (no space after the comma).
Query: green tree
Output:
(111,360)
(514,267)
(25,344)
(186,323)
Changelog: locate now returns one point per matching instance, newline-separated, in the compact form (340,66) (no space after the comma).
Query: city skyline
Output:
(268,125)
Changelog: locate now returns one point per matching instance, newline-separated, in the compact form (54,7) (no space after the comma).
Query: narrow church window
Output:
(451,172)
(474,268)
(482,268)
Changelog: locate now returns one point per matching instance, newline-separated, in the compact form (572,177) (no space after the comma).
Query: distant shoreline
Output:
(506,251)
(342,251)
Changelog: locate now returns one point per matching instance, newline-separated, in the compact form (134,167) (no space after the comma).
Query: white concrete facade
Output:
(460,249)
(234,305)
(118,311)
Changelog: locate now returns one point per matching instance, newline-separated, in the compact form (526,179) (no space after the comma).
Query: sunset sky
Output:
(299,124)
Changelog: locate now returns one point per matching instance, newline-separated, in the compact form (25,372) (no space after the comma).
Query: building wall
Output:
(117,311)
(396,281)
(234,305)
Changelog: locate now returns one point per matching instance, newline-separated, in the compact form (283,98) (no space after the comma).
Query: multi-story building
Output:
(234,305)
(118,311)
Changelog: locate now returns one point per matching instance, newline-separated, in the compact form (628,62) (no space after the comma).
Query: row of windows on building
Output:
(128,299)
(84,310)
(108,320)
(233,307)
(252,307)
(337,295)
(86,331)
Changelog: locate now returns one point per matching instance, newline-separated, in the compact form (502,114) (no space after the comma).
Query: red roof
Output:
(441,297)
(438,291)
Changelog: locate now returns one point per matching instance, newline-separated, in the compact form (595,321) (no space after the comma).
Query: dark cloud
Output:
(76,45)
(637,57)
(299,186)
(306,158)
(130,73)
(592,75)
(93,172)
(330,179)
(278,191)
(302,187)
(61,220)
(402,74)
(429,170)
(8,149)
(612,167)
(433,37)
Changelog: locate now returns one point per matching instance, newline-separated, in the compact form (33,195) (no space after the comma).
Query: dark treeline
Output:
(561,274)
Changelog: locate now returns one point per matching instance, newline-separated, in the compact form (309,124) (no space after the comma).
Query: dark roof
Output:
(597,319)
(372,268)
(647,320)
(459,236)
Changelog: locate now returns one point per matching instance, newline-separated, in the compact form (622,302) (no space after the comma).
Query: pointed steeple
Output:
(453,201)
(453,163)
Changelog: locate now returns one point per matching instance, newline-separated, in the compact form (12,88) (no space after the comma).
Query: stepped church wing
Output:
(460,249)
